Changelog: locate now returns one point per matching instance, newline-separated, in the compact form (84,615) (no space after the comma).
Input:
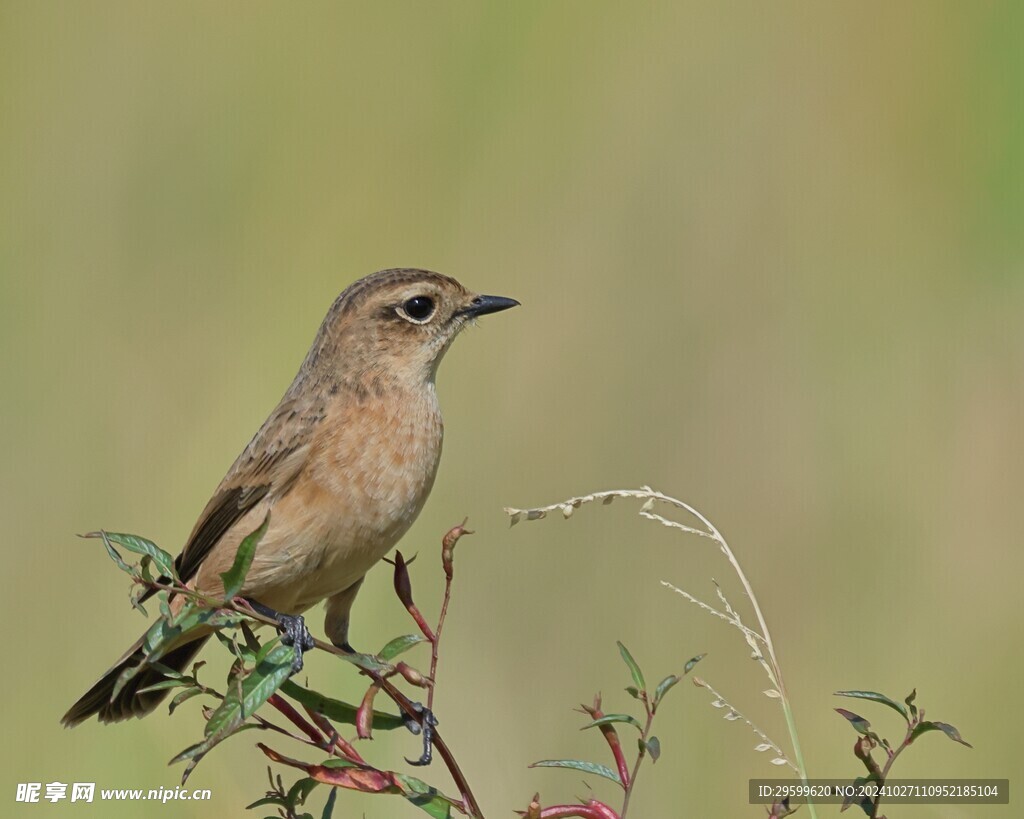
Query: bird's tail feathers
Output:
(129,702)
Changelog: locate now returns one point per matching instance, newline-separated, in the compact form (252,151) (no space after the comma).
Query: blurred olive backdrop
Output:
(770,262)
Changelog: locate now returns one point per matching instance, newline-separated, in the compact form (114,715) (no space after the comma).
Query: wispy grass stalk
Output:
(758,639)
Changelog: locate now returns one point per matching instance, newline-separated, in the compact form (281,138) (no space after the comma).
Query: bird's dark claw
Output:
(426,724)
(293,631)
(295,634)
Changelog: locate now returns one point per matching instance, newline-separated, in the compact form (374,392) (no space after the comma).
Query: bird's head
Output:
(396,325)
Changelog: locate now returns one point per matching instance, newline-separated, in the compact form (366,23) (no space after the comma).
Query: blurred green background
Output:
(770,262)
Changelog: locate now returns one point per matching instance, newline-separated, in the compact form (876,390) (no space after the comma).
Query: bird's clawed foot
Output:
(426,724)
(295,634)
(293,631)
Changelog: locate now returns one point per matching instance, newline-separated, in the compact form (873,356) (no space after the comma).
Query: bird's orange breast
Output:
(366,481)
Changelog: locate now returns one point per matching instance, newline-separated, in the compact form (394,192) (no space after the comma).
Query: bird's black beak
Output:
(482,305)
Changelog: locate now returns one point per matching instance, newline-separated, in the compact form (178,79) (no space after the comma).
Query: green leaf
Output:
(654,748)
(183,696)
(860,725)
(164,684)
(424,796)
(910,703)
(137,603)
(692,662)
(336,709)
(237,649)
(578,765)
(634,669)
(398,645)
(165,635)
(298,792)
(368,662)
(169,672)
(332,797)
(114,554)
(133,543)
(633,691)
(256,689)
(875,697)
(194,753)
(946,728)
(234,577)
(266,800)
(609,719)
(265,650)
(663,687)
(160,638)
(855,795)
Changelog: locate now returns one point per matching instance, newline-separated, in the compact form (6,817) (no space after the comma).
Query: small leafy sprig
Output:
(868,742)
(624,776)
(260,676)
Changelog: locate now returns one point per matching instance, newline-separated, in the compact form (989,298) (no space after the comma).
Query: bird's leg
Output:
(339,613)
(293,631)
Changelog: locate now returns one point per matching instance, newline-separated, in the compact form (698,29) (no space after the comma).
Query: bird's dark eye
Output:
(419,308)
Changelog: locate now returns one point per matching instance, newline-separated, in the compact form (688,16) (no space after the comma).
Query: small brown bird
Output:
(343,464)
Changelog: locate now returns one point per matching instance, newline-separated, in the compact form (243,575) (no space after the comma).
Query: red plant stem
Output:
(337,741)
(436,642)
(591,810)
(293,716)
(421,622)
(639,757)
(611,736)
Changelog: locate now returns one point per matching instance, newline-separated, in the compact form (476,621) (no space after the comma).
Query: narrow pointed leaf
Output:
(860,725)
(609,719)
(336,709)
(875,697)
(663,687)
(398,645)
(298,792)
(910,703)
(634,669)
(183,696)
(164,684)
(946,728)
(255,690)
(332,797)
(133,543)
(114,554)
(266,800)
(234,578)
(426,797)
(579,765)
(692,662)
(136,603)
